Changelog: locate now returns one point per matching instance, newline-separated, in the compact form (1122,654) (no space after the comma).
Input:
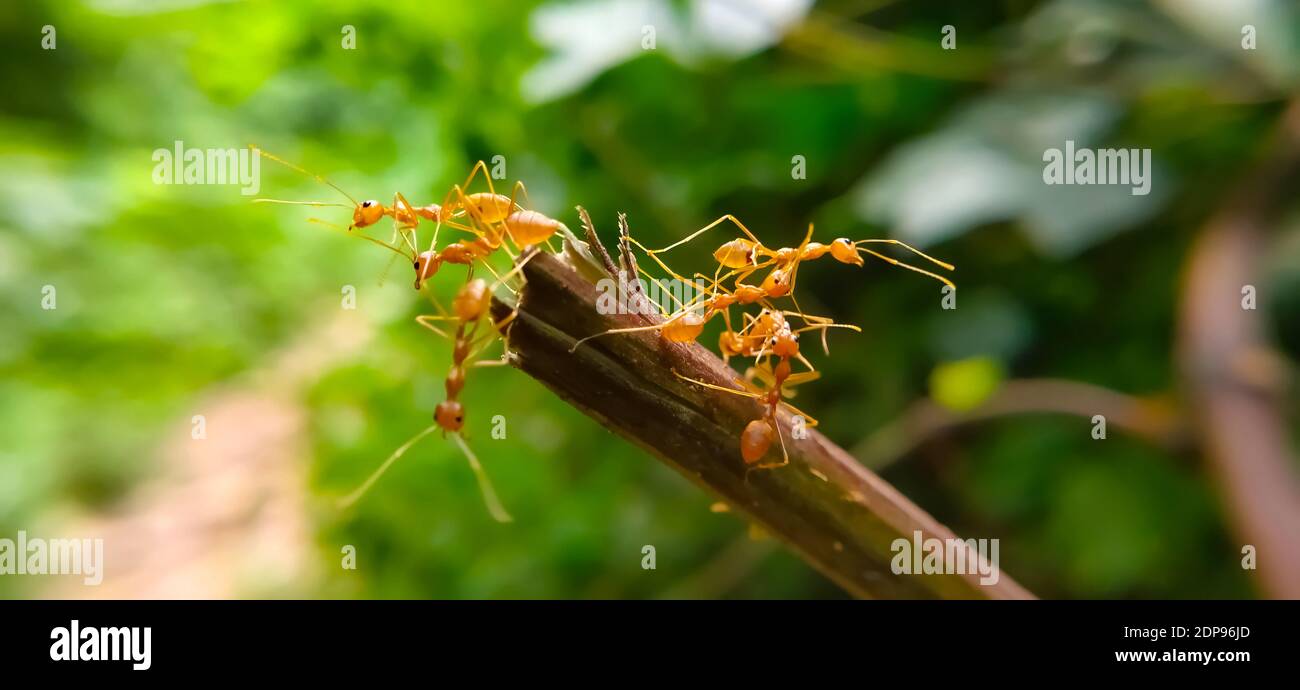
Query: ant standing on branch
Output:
(768,335)
(494,222)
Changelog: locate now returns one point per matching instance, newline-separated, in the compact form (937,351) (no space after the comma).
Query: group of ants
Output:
(488,223)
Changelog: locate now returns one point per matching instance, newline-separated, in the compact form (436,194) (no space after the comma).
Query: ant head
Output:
(846,252)
(784,344)
(426,264)
(450,415)
(769,320)
(367,213)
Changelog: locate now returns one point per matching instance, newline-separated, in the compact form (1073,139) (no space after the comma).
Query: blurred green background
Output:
(175,301)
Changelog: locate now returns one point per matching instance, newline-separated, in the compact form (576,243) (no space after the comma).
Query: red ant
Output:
(748,254)
(490,214)
(686,324)
(469,309)
(757,436)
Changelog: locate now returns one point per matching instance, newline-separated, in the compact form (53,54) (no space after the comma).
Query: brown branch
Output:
(1227,368)
(1152,419)
(835,514)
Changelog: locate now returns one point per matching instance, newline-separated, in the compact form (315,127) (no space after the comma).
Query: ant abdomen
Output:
(530,227)
(755,440)
(683,329)
(737,253)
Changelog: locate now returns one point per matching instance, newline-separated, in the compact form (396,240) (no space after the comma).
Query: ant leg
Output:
(676,276)
(743,273)
(825,327)
(365,486)
(708,227)
(498,228)
(401,229)
(495,509)
(504,230)
(493,271)
(809,322)
(762,373)
(801,378)
(519,265)
(724,389)
(910,267)
(476,347)
(681,306)
(463,205)
(424,319)
(487,177)
(412,224)
(762,350)
(387,268)
(365,237)
(798,258)
(809,420)
(514,193)
(613,331)
(503,328)
(474,171)
(437,304)
(785,455)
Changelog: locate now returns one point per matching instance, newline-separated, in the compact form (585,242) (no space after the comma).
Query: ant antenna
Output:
(312,175)
(262,200)
(901,264)
(495,509)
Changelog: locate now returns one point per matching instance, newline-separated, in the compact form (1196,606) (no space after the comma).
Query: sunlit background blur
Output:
(176,301)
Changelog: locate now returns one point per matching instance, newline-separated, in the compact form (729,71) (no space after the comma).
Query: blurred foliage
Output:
(964,384)
(170,294)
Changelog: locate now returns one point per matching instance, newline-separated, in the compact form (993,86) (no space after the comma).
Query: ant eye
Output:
(367,204)
(417,265)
